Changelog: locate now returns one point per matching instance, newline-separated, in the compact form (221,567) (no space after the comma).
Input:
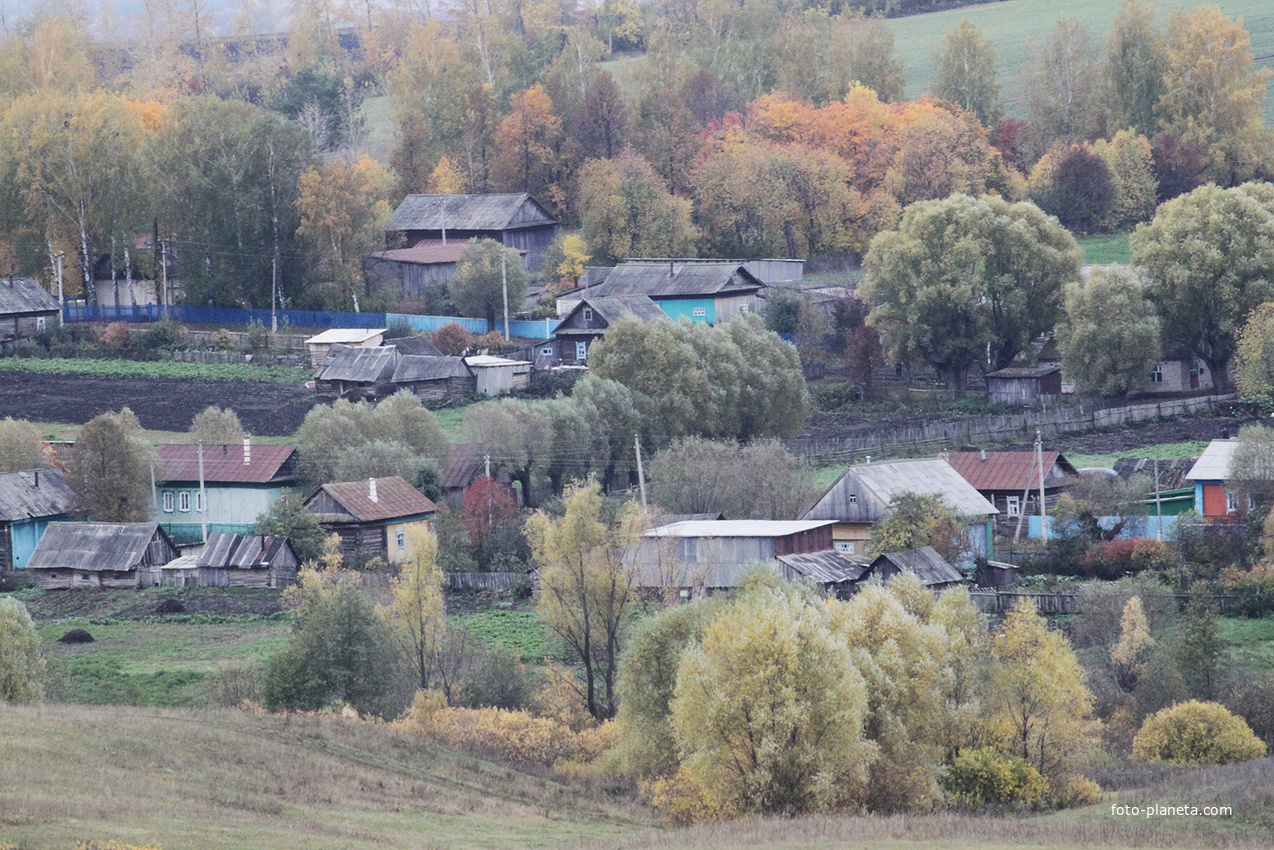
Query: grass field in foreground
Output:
(186,780)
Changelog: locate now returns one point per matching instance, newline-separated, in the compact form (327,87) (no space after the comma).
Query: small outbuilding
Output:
(496,375)
(435,379)
(925,563)
(837,573)
(356,372)
(321,344)
(1025,386)
(101,555)
(26,309)
(235,560)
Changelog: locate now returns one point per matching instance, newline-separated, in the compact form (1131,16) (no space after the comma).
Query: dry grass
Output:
(227,779)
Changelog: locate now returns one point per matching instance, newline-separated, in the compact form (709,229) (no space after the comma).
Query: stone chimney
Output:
(247,449)
(371,490)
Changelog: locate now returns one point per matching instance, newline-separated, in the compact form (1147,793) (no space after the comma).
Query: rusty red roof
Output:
(223,464)
(395,499)
(1009,470)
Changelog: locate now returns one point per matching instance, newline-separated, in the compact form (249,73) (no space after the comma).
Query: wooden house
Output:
(467,466)
(235,560)
(702,557)
(925,563)
(372,517)
(101,555)
(434,379)
(860,498)
(239,483)
(1025,386)
(26,309)
(1215,498)
(418,271)
(587,322)
(29,501)
(1011,482)
(321,345)
(354,372)
(707,291)
(516,221)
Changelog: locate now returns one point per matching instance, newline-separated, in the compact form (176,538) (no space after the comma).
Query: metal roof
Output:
(358,364)
(829,567)
(1172,470)
(469,212)
(344,336)
(1214,463)
(395,498)
(863,492)
(736,528)
(412,367)
(34,493)
(669,519)
(1009,470)
(487,361)
(466,465)
(426,252)
(930,567)
(223,464)
(245,551)
(93,545)
(677,278)
(25,295)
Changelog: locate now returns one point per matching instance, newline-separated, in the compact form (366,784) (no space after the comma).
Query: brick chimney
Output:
(247,449)
(371,490)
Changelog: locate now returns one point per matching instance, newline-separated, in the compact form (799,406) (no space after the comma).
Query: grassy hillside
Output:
(1019,27)
(181,779)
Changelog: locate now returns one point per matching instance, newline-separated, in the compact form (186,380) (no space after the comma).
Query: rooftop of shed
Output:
(736,528)
(25,295)
(243,551)
(1214,463)
(93,546)
(414,367)
(345,336)
(357,364)
(925,562)
(829,567)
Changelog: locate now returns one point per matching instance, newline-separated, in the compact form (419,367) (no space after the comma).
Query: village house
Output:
(234,560)
(355,372)
(373,518)
(26,309)
(101,555)
(586,323)
(516,221)
(1011,482)
(220,488)
(860,498)
(416,272)
(708,291)
(1215,498)
(844,575)
(434,379)
(29,501)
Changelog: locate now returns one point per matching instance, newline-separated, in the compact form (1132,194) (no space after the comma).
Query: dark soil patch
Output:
(136,604)
(170,605)
(76,636)
(162,404)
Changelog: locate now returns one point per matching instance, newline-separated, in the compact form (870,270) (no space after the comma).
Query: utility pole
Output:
(61,292)
(203,499)
(487,460)
(641,475)
(274,293)
(1158,506)
(163,266)
(1039,458)
(504,284)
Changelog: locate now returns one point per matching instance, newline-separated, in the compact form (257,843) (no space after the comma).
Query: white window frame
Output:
(1156,377)
(581,351)
(168,501)
(41,324)
(699,312)
(1013,505)
(688,550)
(401,539)
(547,351)
(846,547)
(1231,501)
(183,501)
(199,502)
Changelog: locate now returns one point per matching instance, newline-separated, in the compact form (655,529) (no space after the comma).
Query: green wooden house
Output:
(239,483)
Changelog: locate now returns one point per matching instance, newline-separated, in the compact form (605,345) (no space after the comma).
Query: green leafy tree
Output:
(586,591)
(516,436)
(110,468)
(21,446)
(757,481)
(615,415)
(820,56)
(913,521)
(21,664)
(964,72)
(1110,339)
(287,517)
(1130,158)
(353,440)
(216,426)
(1062,85)
(1200,649)
(1209,259)
(1135,63)
(1196,733)
(962,274)
(1254,353)
(477,287)
(769,708)
(626,210)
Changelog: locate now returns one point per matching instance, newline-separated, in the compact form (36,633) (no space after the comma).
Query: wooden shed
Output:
(497,375)
(372,517)
(837,573)
(1023,386)
(357,372)
(235,560)
(925,563)
(321,345)
(436,379)
(101,555)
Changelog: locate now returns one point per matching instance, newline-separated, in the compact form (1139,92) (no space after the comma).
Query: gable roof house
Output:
(356,372)
(372,517)
(239,484)
(29,501)
(516,221)
(26,309)
(708,291)
(1214,497)
(1011,482)
(860,498)
(101,554)
(435,379)
(587,322)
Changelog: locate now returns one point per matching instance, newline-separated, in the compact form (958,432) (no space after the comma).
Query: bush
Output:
(982,777)
(1080,791)
(163,334)
(451,338)
(1196,733)
(515,736)
(21,665)
(1255,588)
(222,340)
(258,336)
(1110,560)
(117,335)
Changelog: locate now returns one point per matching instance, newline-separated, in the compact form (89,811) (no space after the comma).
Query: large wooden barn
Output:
(516,221)
(101,555)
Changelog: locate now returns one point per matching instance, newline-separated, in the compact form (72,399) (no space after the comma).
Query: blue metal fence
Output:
(536,329)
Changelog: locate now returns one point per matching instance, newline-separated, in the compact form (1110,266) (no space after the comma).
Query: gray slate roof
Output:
(412,367)
(930,567)
(414,345)
(469,212)
(358,364)
(828,567)
(862,493)
(1214,463)
(687,279)
(1024,372)
(34,493)
(245,551)
(25,295)
(93,546)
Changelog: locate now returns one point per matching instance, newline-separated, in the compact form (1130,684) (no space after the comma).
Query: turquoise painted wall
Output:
(25,534)
(677,308)
(227,504)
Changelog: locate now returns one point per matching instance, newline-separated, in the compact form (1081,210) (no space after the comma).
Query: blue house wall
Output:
(25,534)
(678,308)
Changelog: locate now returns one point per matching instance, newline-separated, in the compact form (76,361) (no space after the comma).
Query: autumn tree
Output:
(962,274)
(110,468)
(289,518)
(1110,339)
(769,708)
(1128,655)
(1130,158)
(605,123)
(482,274)
(757,481)
(615,415)
(1039,704)
(21,446)
(342,205)
(490,516)
(514,434)
(1209,259)
(940,154)
(820,56)
(1061,87)
(216,426)
(1179,166)
(585,590)
(914,520)
(418,611)
(526,144)
(1135,62)
(1212,96)
(964,72)
(21,664)
(1254,353)
(626,210)
(1075,184)
(350,441)
(1196,733)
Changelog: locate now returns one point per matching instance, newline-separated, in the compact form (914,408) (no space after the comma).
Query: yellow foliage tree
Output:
(342,205)
(418,611)
(1196,733)
(574,258)
(446,178)
(1128,653)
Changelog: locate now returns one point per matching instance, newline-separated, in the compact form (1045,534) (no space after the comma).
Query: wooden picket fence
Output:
(486,581)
